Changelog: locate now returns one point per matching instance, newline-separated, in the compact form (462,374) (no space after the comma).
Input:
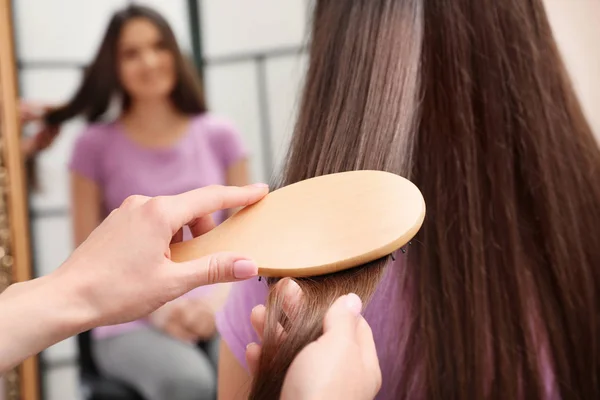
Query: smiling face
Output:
(146,65)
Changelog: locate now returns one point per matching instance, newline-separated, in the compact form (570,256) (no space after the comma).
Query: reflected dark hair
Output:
(471,101)
(101,80)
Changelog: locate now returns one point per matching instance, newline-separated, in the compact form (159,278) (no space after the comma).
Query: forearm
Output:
(34,315)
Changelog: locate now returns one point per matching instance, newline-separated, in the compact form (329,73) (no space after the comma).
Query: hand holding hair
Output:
(122,272)
(31,111)
(188,319)
(341,364)
(44,137)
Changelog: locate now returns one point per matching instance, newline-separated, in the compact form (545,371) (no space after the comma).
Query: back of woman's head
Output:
(102,81)
(470,100)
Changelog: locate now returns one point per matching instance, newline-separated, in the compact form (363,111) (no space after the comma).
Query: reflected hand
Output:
(40,141)
(199,317)
(189,320)
(31,111)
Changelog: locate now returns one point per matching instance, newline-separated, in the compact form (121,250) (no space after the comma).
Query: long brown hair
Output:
(101,84)
(471,101)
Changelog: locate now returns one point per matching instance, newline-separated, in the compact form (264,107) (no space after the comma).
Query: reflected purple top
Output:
(121,167)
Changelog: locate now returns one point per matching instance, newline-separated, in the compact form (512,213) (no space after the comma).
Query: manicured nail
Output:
(257,307)
(353,303)
(243,269)
(260,185)
(250,345)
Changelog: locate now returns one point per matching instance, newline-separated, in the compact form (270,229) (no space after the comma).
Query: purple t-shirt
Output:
(384,314)
(121,167)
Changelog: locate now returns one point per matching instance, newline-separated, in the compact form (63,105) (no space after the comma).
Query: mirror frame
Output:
(15,250)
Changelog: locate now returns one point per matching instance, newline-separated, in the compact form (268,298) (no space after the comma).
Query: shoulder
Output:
(214,121)
(89,150)
(223,137)
(215,126)
(95,135)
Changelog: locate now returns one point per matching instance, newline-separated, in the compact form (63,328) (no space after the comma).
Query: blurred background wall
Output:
(576,25)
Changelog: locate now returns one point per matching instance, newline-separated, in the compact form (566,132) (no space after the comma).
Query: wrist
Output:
(77,310)
(35,315)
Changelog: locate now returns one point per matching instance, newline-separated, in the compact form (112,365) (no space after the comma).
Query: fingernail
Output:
(243,269)
(255,308)
(250,345)
(353,303)
(260,185)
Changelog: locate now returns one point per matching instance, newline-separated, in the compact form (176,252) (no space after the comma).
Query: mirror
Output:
(251,70)
(251,57)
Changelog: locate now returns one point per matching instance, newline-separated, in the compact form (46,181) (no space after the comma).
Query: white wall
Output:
(254,69)
(576,25)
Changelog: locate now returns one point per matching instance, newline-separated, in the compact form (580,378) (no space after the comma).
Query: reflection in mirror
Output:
(250,68)
(250,57)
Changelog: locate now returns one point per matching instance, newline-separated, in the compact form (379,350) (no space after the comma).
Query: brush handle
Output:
(318,226)
(216,241)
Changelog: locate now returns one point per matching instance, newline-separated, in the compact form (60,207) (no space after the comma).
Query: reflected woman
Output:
(162,142)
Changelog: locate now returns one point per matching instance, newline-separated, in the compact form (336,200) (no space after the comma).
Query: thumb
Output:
(253,352)
(215,268)
(343,315)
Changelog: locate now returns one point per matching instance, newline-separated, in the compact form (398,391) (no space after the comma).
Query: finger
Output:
(364,337)
(134,201)
(258,316)
(29,113)
(25,116)
(179,332)
(198,327)
(201,225)
(198,319)
(342,316)
(186,320)
(253,352)
(257,319)
(215,268)
(190,321)
(292,297)
(181,209)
